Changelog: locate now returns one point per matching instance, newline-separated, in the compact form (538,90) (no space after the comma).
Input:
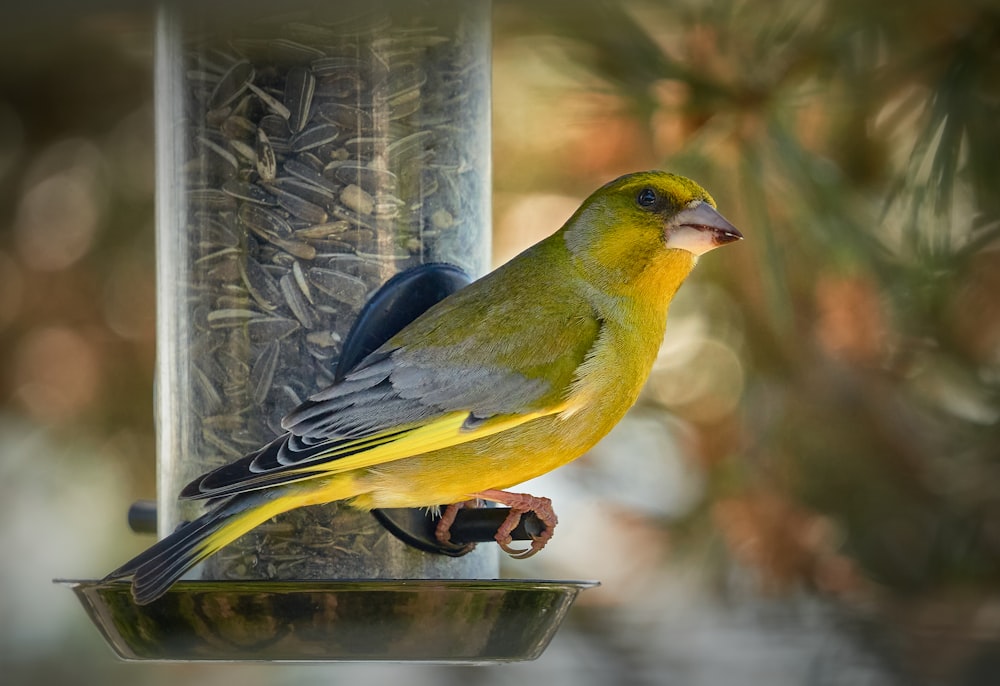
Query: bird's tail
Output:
(154,570)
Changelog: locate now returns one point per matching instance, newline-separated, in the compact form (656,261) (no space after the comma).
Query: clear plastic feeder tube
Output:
(306,153)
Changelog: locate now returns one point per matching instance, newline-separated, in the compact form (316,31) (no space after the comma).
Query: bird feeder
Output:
(323,175)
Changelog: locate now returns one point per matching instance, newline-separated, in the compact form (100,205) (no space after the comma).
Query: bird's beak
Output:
(699,228)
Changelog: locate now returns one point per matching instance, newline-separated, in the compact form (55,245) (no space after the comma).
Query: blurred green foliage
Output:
(857,145)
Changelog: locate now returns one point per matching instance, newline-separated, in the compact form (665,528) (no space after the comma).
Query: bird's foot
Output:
(519,504)
(442,532)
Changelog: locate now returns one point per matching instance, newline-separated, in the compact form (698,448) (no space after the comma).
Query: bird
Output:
(510,377)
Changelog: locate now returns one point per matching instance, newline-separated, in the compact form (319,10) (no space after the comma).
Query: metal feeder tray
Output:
(443,621)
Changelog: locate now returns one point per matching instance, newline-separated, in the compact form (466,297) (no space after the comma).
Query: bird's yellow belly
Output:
(494,462)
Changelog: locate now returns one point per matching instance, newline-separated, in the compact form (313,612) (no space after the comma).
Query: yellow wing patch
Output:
(444,432)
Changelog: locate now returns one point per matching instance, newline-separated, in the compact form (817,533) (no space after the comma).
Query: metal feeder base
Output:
(444,621)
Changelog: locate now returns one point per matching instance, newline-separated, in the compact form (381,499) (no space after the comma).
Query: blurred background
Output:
(808,491)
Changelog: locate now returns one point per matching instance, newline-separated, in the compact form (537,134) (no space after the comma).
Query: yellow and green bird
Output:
(514,375)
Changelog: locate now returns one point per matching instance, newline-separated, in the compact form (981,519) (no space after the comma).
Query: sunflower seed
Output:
(236,127)
(239,77)
(241,190)
(322,196)
(271,102)
(220,153)
(410,146)
(299,87)
(217,255)
(347,117)
(299,249)
(210,398)
(357,220)
(275,127)
(295,301)
(357,199)
(297,206)
(300,280)
(263,222)
(320,231)
(261,285)
(271,328)
(245,151)
(346,87)
(309,175)
(294,398)
(339,286)
(323,339)
(314,137)
(214,234)
(230,317)
(363,147)
(211,199)
(262,372)
(267,164)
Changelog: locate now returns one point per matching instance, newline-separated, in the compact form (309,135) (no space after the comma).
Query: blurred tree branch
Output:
(858,145)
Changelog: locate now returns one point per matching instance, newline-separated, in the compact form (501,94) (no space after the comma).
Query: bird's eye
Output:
(646,198)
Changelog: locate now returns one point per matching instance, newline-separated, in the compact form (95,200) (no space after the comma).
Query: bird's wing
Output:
(418,394)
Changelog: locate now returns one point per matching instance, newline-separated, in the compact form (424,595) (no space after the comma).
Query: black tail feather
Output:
(155,569)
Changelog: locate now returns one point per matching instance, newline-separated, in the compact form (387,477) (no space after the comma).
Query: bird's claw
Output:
(537,543)
(521,503)
(442,532)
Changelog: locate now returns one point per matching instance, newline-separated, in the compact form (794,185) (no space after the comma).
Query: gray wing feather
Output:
(393,389)
(482,390)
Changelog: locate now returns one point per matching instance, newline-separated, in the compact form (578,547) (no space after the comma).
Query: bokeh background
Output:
(808,491)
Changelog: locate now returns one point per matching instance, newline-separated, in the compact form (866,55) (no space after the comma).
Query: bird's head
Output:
(643,220)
